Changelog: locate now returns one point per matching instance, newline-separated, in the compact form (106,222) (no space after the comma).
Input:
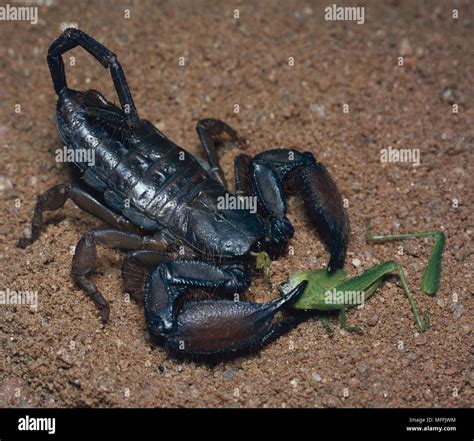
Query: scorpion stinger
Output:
(71,38)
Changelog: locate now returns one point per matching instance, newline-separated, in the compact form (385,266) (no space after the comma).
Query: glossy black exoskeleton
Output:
(164,206)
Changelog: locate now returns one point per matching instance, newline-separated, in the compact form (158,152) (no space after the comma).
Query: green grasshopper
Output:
(333,292)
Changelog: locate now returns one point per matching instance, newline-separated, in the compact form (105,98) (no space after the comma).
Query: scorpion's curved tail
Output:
(71,38)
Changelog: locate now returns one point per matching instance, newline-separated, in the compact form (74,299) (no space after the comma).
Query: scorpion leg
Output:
(270,170)
(54,198)
(86,255)
(71,38)
(169,281)
(208,129)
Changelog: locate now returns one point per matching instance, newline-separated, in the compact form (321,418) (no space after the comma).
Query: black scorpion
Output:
(161,204)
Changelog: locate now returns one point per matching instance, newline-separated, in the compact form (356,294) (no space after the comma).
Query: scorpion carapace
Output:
(164,206)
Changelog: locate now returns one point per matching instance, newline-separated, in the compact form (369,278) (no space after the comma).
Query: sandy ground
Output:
(61,355)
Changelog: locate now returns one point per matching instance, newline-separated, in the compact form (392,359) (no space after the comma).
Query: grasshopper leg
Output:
(327,326)
(343,320)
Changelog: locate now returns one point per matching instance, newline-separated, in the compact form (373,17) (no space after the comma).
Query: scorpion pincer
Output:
(162,206)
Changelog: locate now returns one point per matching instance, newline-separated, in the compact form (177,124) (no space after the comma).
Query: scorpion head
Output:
(225,233)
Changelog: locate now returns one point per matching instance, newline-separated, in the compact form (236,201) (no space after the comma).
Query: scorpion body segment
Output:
(157,199)
(152,182)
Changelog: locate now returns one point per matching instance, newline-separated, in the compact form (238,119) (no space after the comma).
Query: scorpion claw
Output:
(270,170)
(325,208)
(277,234)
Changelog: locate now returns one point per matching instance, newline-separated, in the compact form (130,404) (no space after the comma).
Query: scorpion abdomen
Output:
(139,172)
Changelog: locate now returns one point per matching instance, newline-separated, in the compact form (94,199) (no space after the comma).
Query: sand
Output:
(61,355)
